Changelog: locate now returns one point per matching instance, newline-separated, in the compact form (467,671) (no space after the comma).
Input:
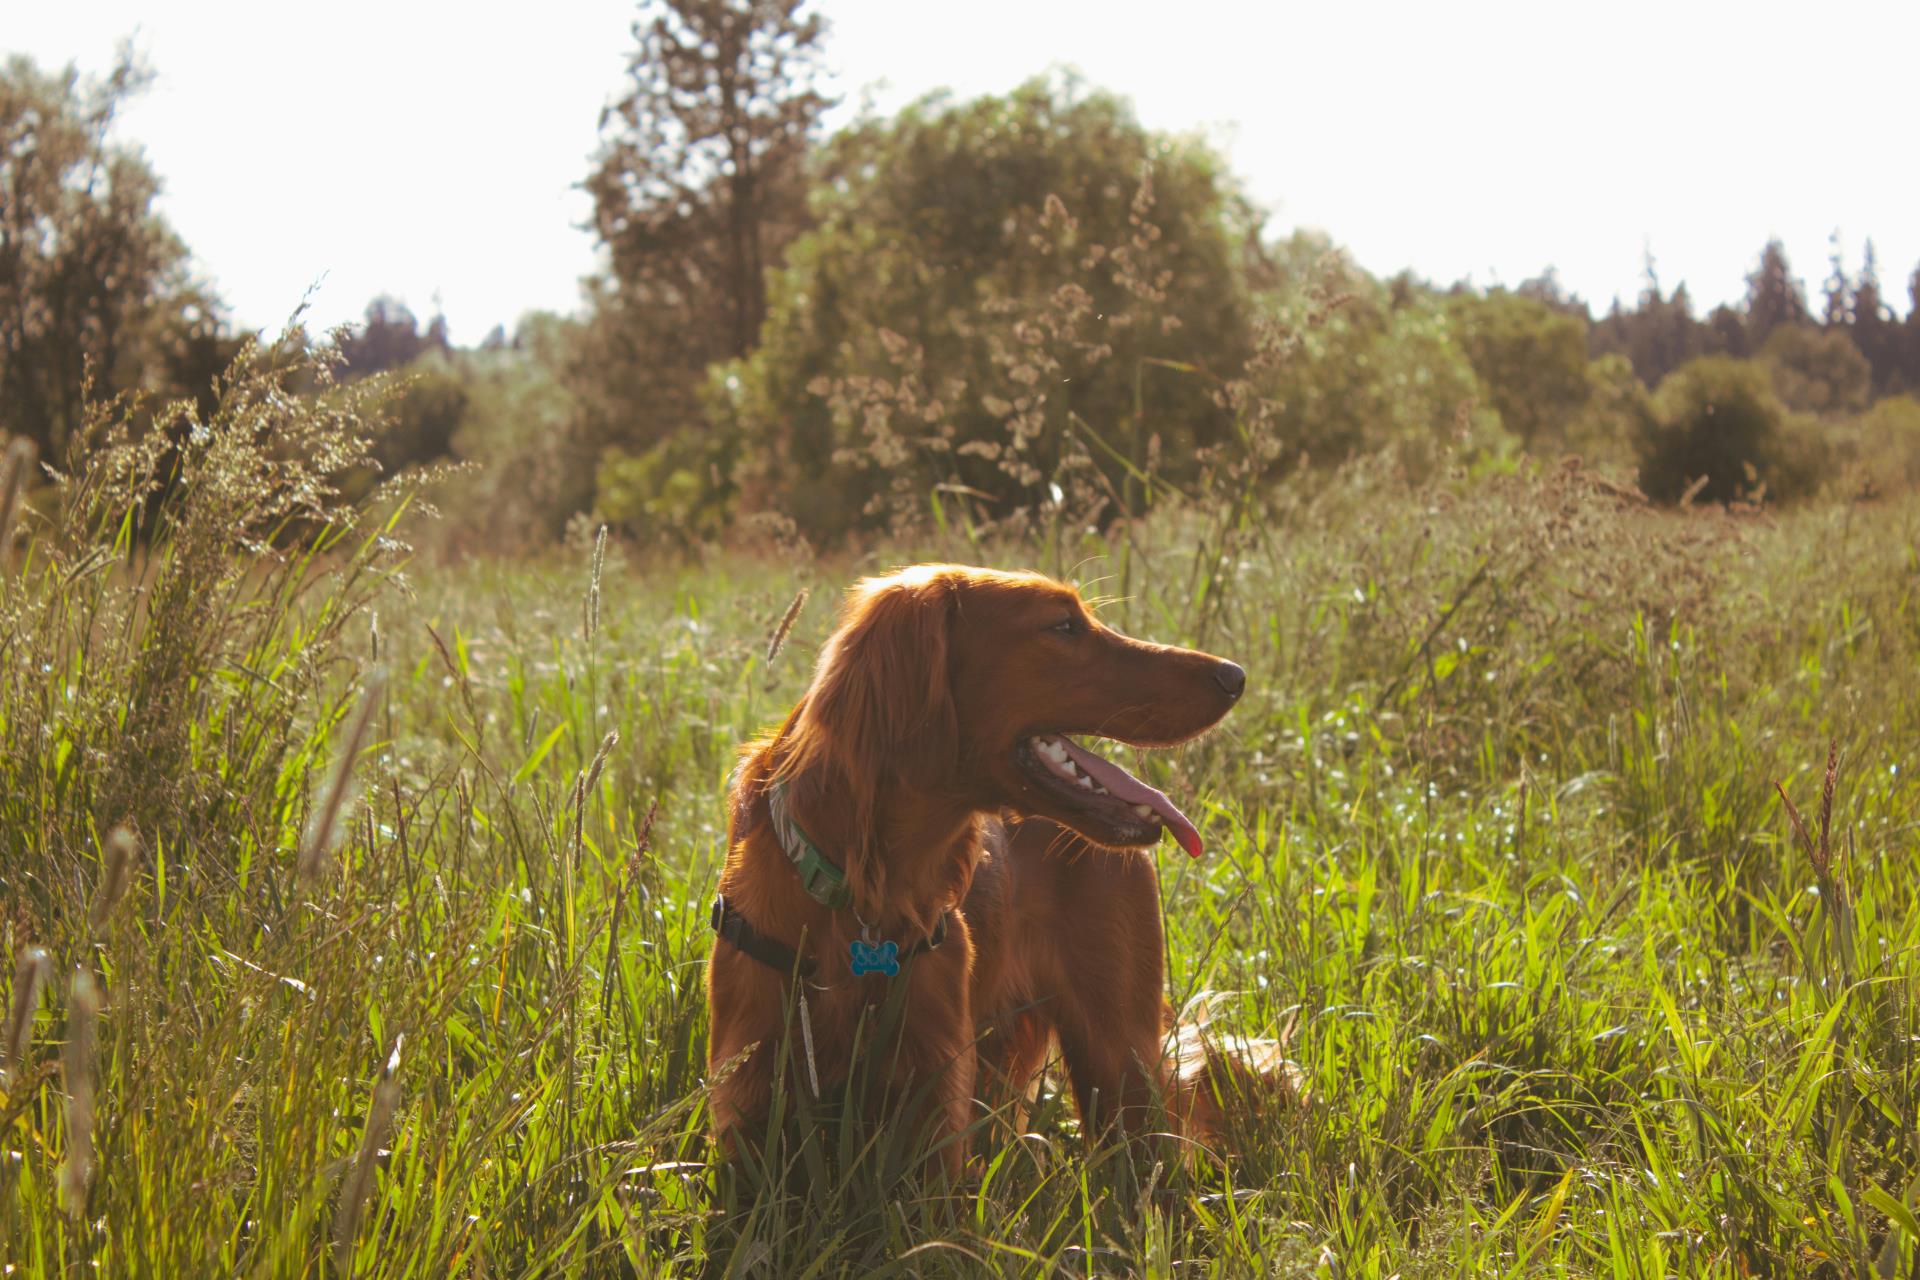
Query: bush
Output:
(1617,412)
(521,428)
(1362,367)
(1716,422)
(669,493)
(1817,370)
(1878,452)
(429,409)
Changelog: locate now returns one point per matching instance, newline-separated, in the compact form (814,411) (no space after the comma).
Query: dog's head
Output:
(975,683)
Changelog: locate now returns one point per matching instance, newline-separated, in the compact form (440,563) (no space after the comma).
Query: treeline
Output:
(1001,310)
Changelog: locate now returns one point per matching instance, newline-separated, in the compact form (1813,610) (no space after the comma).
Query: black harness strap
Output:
(931,941)
(774,954)
(778,956)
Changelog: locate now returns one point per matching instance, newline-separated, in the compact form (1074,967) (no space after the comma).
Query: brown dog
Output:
(944,700)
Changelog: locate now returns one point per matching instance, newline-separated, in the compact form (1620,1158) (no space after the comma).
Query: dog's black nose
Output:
(1231,679)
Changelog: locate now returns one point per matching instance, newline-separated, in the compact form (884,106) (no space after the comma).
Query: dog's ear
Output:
(880,710)
(881,694)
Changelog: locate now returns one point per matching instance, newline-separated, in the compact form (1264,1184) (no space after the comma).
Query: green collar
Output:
(824,882)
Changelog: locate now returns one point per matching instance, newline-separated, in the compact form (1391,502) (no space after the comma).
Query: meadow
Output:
(355,898)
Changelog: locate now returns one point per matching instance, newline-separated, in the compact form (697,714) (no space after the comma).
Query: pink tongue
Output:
(1125,786)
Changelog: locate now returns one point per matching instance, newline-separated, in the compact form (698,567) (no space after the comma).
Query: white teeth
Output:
(1144,810)
(1053,751)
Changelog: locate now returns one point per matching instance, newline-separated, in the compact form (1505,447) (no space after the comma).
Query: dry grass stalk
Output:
(323,827)
(607,745)
(20,458)
(446,654)
(76,1171)
(1825,864)
(1819,853)
(116,872)
(353,1195)
(593,583)
(780,633)
(643,843)
(29,972)
(577,836)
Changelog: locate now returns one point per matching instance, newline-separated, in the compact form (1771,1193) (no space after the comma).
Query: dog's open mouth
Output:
(1132,812)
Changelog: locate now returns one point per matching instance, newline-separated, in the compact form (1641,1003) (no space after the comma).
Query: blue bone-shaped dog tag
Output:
(875,957)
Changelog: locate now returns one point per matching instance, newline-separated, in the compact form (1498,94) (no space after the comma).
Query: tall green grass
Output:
(1494,842)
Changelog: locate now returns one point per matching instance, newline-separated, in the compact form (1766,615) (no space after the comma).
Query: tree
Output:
(1774,296)
(1872,325)
(699,186)
(1907,361)
(1547,288)
(698,181)
(389,337)
(91,278)
(1658,336)
(991,281)
(1835,292)
(1531,358)
(1727,333)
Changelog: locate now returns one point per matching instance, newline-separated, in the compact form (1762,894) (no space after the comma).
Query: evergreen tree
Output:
(389,337)
(1774,296)
(1836,290)
(1547,288)
(1871,324)
(1658,336)
(1907,366)
(1727,333)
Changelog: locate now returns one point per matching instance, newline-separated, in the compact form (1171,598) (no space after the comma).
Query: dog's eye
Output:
(1069,626)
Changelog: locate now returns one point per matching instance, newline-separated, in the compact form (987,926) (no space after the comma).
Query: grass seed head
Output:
(593,583)
(76,1171)
(1799,826)
(353,1196)
(323,827)
(1826,807)
(116,872)
(19,461)
(1819,852)
(607,745)
(785,627)
(29,972)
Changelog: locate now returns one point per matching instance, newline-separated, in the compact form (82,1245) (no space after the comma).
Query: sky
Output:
(431,151)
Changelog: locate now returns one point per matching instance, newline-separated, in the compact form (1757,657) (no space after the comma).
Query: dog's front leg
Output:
(947,1059)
